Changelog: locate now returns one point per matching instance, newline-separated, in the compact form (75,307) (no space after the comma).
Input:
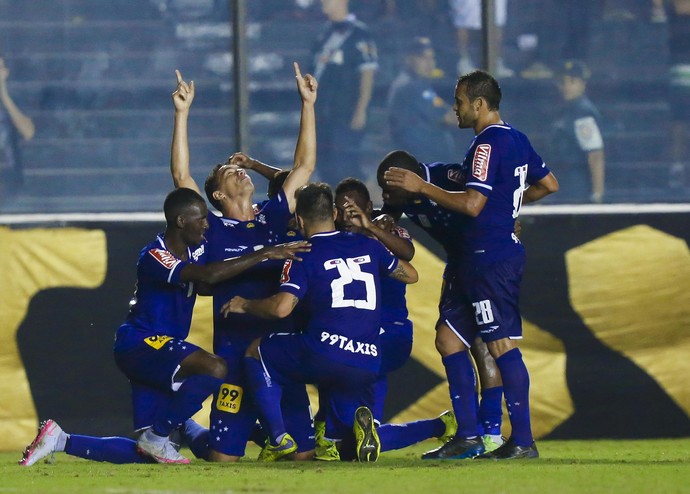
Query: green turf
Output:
(654,466)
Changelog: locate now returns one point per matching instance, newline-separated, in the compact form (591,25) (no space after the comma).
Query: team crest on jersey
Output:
(480,162)
(285,274)
(455,176)
(291,233)
(198,253)
(164,257)
(250,225)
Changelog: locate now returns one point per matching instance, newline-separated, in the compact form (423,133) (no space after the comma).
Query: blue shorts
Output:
(396,345)
(288,360)
(150,359)
(483,300)
(234,414)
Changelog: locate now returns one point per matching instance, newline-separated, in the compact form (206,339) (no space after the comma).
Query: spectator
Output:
(420,121)
(577,147)
(679,94)
(344,61)
(13,124)
(467,17)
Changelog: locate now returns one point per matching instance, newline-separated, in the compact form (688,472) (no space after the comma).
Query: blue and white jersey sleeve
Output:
(159,265)
(536,169)
(293,278)
(483,160)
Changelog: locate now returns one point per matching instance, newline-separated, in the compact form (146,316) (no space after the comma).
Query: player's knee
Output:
(446,345)
(303,456)
(253,349)
(217,367)
(500,347)
(218,457)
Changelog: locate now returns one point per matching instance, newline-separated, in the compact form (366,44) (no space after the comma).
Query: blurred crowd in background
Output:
(601,87)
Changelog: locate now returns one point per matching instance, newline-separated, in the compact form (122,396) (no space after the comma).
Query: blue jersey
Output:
(229,238)
(501,164)
(163,304)
(339,282)
(393,303)
(443,225)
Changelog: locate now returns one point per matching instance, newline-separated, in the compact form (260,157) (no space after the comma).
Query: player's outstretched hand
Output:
(306,85)
(288,250)
(183,95)
(404,179)
(236,305)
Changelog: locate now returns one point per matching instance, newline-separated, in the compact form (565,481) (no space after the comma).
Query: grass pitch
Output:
(652,466)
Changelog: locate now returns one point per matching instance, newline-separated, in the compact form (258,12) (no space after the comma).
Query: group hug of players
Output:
(309,288)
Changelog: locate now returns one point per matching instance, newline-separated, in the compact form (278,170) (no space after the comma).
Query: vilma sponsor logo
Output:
(480,163)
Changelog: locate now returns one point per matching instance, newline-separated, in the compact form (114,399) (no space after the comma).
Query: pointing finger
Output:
(179,76)
(298,74)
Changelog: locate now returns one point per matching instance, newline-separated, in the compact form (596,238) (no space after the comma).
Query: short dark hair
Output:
(315,202)
(178,201)
(480,84)
(276,183)
(352,184)
(400,159)
(212,184)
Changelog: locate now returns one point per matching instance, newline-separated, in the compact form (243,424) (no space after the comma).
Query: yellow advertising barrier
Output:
(30,261)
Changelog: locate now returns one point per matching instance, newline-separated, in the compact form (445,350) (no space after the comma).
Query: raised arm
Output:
(24,124)
(305,149)
(179,151)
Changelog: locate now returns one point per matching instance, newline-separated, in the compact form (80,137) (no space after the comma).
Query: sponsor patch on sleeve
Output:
(402,233)
(164,257)
(480,162)
(285,274)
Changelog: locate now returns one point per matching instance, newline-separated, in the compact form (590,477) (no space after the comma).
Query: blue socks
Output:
(185,402)
(195,437)
(397,436)
(461,384)
(111,449)
(516,388)
(490,411)
(267,398)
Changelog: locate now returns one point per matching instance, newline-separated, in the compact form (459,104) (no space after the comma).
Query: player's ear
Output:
(335,213)
(370,208)
(179,221)
(217,195)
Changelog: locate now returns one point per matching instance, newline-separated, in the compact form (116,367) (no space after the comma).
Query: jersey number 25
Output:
(349,271)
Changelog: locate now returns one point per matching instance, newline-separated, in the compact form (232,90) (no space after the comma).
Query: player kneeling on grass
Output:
(339,284)
(170,377)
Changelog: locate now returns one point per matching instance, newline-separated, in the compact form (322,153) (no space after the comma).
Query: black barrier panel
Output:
(65,341)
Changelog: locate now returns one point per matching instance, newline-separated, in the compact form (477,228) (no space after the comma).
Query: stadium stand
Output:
(96,78)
